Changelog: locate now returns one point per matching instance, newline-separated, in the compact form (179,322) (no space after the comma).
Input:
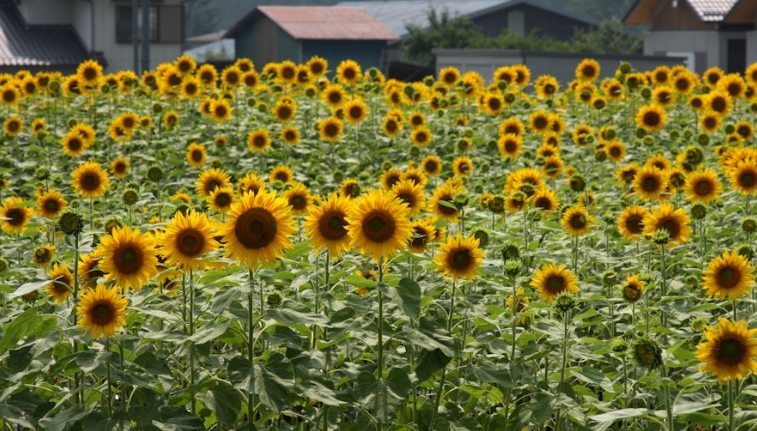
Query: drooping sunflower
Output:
(631,222)
(299,198)
(221,199)
(50,204)
(587,70)
(211,179)
(744,176)
(61,282)
(187,239)
(577,221)
(102,311)
(349,72)
(675,221)
(196,155)
(651,118)
(728,275)
(128,257)
(90,180)
(730,351)
(462,166)
(650,183)
(330,129)
(633,288)
(259,228)
(258,140)
(379,224)
(432,165)
(412,194)
(551,280)
(459,257)
(703,186)
(326,226)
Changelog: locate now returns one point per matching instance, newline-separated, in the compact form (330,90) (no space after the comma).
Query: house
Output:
(297,33)
(82,29)
(709,32)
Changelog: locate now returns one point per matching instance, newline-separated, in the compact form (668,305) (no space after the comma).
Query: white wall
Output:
(685,41)
(751,47)
(46,11)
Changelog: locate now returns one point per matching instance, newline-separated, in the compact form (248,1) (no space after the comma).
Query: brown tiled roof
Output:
(322,22)
(37,45)
(707,10)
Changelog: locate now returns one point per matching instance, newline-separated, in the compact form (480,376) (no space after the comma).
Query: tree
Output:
(201,17)
(442,32)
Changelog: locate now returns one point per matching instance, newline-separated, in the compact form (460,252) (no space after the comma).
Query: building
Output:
(35,30)
(297,33)
(708,32)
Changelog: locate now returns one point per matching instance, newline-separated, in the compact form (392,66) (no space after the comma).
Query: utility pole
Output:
(145,35)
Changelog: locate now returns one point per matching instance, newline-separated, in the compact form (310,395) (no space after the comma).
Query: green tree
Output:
(441,32)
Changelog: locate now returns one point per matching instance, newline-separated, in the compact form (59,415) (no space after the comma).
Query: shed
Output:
(297,33)
(709,33)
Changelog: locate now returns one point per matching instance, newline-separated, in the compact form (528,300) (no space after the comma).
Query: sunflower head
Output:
(71,222)
(379,224)
(459,257)
(102,311)
(730,350)
(646,353)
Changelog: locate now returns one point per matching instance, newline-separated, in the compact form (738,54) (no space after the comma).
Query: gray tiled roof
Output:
(712,10)
(37,45)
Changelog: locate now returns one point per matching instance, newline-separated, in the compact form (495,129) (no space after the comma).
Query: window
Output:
(124,24)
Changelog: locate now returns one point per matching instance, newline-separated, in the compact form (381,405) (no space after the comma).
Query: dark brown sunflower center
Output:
(256,228)
(284,112)
(298,202)
(222,200)
(196,155)
(335,97)
(650,184)
(578,221)
(718,104)
(615,151)
(494,104)
(747,179)
(391,126)
(259,141)
(540,123)
(90,74)
(332,226)
(349,73)
(421,137)
(420,237)
(102,314)
(631,292)
(703,188)
(90,181)
(543,203)
(379,226)
(635,224)
(671,226)
(444,209)
(212,185)
(431,166)
(74,144)
(464,168)
(356,112)
(128,259)
(331,130)
(555,284)
(460,259)
(221,111)
(190,242)
(51,206)
(728,277)
(731,352)
(589,71)
(511,146)
(651,119)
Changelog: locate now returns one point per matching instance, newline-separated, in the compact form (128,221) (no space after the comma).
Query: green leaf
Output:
(24,325)
(358,281)
(701,419)
(429,362)
(379,395)
(495,376)
(426,340)
(225,401)
(264,381)
(63,419)
(292,317)
(540,406)
(410,297)
(209,332)
(175,418)
(15,416)
(618,414)
(28,288)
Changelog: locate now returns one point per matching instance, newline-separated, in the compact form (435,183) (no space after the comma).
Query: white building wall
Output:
(81,19)
(46,11)
(656,42)
(751,47)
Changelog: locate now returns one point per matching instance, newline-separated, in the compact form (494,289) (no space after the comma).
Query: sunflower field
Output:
(315,247)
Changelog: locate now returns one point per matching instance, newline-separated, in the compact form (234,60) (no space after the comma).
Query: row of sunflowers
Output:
(297,247)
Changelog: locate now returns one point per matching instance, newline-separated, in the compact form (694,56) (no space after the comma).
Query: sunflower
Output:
(196,155)
(281,173)
(390,177)
(651,118)
(186,239)
(577,221)
(299,198)
(539,121)
(545,199)
(522,75)
(512,125)
(615,150)
(334,96)
(462,166)
(259,228)
(449,76)
(170,120)
(258,140)
(330,129)
(74,144)
(89,180)
(379,224)
(703,186)
(431,165)
(493,104)
(287,72)
(663,96)
(745,129)
(718,102)
(587,70)
(552,167)
(415,175)
(90,74)
(348,72)
(220,111)
(510,145)
(421,136)
(730,351)
(632,289)
(744,176)
(349,188)
(190,88)
(211,179)
(317,66)
(423,234)
(43,255)
(626,174)
(729,274)
(459,257)
(732,84)
(441,202)
(250,183)
(284,111)
(61,282)
(102,311)
(128,257)
(13,126)
(355,111)
(661,75)
(551,280)
(710,122)
(650,183)
(290,135)
(221,199)
(50,204)
(675,221)
(391,127)
(326,226)
(231,77)
(631,222)
(410,193)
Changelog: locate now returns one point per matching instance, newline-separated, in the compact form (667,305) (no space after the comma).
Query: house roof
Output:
(321,22)
(37,45)
(707,10)
(397,15)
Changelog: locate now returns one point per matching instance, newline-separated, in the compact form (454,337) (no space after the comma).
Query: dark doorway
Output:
(736,53)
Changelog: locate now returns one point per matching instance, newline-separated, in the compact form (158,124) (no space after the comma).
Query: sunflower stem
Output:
(664,286)
(731,406)
(380,346)
(250,341)
(668,405)
(193,407)
(79,376)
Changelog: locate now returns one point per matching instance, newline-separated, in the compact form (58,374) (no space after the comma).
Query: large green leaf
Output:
(270,382)
(24,325)
(429,362)
(409,293)
(224,400)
